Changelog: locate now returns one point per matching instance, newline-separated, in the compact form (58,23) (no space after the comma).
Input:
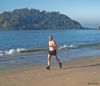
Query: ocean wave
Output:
(67,47)
(21,50)
(63,47)
(26,50)
(11,51)
(95,45)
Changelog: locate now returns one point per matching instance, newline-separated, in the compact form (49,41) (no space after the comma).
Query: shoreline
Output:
(74,61)
(76,72)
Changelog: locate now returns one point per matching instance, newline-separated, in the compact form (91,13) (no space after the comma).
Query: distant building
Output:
(98,28)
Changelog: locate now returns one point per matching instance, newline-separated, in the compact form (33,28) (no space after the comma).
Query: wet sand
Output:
(77,72)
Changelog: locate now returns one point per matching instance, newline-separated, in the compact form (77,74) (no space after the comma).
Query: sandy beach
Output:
(77,72)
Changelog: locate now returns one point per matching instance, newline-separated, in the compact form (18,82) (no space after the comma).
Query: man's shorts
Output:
(53,52)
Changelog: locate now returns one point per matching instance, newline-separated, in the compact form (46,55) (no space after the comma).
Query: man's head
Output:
(50,37)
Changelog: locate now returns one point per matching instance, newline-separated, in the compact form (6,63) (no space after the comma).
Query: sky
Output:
(86,12)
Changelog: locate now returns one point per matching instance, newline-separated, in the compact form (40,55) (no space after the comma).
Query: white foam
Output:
(20,49)
(72,46)
(67,47)
(11,51)
(64,46)
(1,54)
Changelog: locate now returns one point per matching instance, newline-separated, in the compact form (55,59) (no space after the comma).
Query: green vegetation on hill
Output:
(35,19)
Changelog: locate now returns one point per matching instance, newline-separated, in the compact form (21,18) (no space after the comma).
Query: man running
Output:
(52,51)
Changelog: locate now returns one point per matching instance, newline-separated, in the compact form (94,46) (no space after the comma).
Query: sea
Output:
(30,47)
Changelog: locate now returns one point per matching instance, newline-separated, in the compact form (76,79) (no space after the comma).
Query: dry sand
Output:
(77,72)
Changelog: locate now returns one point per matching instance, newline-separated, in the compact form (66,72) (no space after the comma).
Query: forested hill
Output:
(35,19)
